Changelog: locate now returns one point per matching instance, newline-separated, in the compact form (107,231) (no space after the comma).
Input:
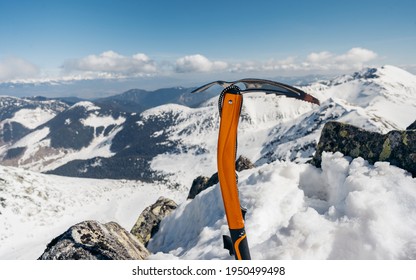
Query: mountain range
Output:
(347,209)
(161,135)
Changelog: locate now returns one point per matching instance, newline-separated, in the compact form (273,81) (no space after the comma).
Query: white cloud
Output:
(317,62)
(354,59)
(320,57)
(198,63)
(110,64)
(15,68)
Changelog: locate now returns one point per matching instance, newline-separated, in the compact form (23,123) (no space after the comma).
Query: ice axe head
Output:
(267,86)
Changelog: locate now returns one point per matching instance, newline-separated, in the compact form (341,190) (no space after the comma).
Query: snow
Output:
(96,121)
(380,91)
(35,208)
(100,146)
(89,106)
(196,129)
(32,118)
(278,128)
(348,210)
(39,156)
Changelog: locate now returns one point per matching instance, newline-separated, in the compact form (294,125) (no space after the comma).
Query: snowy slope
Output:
(83,131)
(387,92)
(177,143)
(277,128)
(30,113)
(196,132)
(18,116)
(35,208)
(347,210)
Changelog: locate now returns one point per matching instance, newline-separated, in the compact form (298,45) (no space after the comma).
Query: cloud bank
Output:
(113,64)
(355,58)
(14,68)
(198,63)
(324,61)
(110,64)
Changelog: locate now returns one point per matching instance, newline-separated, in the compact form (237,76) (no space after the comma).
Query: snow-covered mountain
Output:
(18,116)
(138,100)
(349,209)
(383,92)
(81,131)
(275,128)
(94,139)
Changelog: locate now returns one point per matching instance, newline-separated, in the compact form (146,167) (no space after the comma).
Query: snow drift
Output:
(347,210)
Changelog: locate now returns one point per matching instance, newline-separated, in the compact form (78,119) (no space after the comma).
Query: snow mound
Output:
(346,210)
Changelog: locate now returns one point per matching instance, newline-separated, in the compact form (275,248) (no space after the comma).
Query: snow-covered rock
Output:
(91,240)
(148,222)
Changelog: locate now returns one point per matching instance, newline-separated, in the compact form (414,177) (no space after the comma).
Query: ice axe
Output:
(230,103)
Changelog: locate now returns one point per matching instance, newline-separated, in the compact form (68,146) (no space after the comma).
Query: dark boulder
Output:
(243,163)
(148,222)
(397,147)
(202,183)
(199,184)
(91,240)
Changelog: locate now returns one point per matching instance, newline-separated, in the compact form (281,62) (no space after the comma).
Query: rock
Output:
(202,183)
(243,163)
(148,222)
(198,185)
(397,147)
(412,126)
(91,240)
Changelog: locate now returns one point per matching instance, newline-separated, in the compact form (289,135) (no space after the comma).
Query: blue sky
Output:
(200,40)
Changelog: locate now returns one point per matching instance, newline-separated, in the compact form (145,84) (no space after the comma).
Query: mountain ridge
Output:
(164,142)
(347,209)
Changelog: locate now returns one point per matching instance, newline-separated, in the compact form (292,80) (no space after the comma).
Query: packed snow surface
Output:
(32,118)
(349,209)
(35,208)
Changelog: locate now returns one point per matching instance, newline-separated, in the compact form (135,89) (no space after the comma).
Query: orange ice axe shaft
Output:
(232,100)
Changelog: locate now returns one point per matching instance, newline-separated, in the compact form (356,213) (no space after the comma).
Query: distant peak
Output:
(368,73)
(385,70)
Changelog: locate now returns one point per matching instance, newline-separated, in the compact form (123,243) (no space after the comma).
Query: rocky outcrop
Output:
(148,222)
(243,163)
(91,240)
(202,183)
(397,147)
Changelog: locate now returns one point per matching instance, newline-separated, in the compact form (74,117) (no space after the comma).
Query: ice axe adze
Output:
(230,103)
